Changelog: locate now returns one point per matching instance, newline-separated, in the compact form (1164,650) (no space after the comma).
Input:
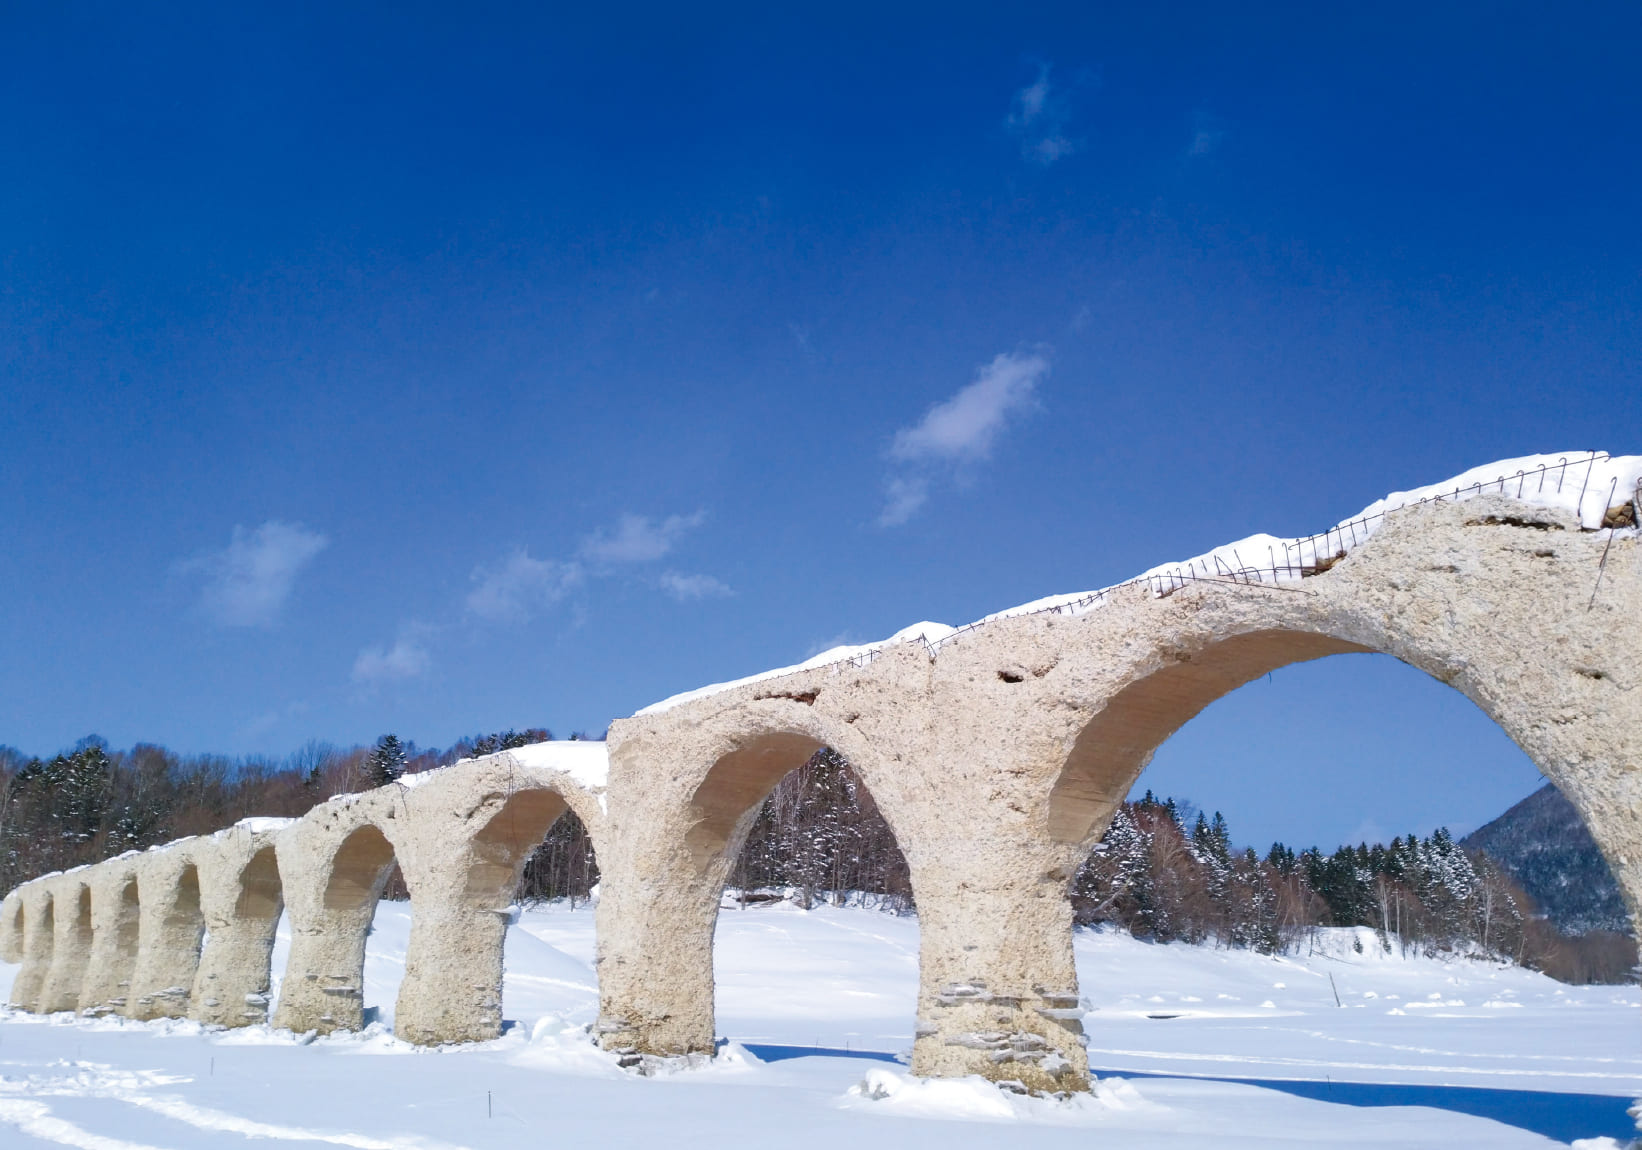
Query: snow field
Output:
(845,979)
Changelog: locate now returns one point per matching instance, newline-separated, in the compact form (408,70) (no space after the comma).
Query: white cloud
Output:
(903,499)
(687,587)
(637,539)
(1038,120)
(520,586)
(406,659)
(1204,142)
(959,430)
(247,582)
(963,427)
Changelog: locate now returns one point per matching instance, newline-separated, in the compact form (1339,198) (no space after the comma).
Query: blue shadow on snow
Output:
(1562,1117)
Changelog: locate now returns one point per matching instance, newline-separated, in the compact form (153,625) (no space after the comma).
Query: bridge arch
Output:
(35,917)
(1115,745)
(116,911)
(171,929)
(242,898)
(358,871)
(1483,597)
(662,891)
(462,888)
(332,866)
(71,948)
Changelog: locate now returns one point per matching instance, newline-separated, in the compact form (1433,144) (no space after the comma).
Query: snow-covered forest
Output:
(1165,870)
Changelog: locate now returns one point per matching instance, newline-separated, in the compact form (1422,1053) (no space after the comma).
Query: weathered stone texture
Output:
(997,761)
(241,898)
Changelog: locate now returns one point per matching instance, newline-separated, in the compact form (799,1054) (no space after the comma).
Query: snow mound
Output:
(586,761)
(975,1099)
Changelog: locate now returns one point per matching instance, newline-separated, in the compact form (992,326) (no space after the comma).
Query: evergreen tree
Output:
(386,762)
(507,740)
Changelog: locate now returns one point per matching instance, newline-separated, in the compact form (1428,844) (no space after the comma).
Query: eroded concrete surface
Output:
(998,759)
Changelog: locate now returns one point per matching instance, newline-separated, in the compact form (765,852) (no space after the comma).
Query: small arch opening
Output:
(128,919)
(359,870)
(12,942)
(184,910)
(261,896)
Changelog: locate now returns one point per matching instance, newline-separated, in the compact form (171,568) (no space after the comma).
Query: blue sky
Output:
(444,369)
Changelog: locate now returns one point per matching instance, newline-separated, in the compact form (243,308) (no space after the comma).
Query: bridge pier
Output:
(332,871)
(169,932)
(36,947)
(998,991)
(462,880)
(241,900)
(655,958)
(70,948)
(114,926)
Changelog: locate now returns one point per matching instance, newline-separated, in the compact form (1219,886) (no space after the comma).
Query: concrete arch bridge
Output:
(997,753)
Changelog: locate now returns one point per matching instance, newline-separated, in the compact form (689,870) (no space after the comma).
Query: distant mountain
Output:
(1544,845)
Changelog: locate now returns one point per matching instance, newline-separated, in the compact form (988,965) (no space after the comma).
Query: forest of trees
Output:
(1164,871)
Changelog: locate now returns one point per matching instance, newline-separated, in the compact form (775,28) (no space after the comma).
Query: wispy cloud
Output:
(1206,137)
(1038,119)
(685,588)
(639,539)
(904,497)
(406,659)
(247,582)
(519,586)
(959,431)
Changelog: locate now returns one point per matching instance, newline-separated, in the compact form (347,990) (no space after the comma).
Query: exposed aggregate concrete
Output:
(997,762)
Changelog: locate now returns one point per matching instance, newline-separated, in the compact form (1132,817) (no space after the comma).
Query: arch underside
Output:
(726,804)
(1115,746)
(359,870)
(184,910)
(261,895)
(503,847)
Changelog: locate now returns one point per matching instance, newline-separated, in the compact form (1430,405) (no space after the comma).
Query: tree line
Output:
(91,803)
(1163,870)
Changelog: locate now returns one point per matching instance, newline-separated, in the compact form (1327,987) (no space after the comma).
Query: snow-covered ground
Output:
(1193,1045)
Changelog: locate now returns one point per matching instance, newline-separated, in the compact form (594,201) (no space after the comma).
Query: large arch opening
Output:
(361,872)
(1378,878)
(792,836)
(341,968)
(1117,744)
(236,981)
(174,960)
(183,910)
(535,858)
